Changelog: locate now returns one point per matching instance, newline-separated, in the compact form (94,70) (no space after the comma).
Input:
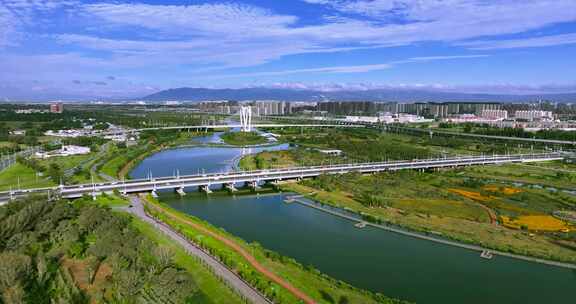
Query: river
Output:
(380,261)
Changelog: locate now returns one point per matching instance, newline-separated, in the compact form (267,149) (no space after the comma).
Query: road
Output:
(233,280)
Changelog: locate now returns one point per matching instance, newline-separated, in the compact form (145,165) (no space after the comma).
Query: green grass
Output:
(243,138)
(67,162)
(528,174)
(111,201)
(28,178)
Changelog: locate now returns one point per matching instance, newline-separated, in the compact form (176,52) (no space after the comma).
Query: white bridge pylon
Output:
(245,118)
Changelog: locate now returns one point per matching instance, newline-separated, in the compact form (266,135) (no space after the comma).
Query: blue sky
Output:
(73,48)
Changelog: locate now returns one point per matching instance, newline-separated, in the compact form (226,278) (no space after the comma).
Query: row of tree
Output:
(57,252)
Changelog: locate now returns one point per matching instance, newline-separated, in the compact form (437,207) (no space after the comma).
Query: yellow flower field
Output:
(472,195)
(536,222)
(505,190)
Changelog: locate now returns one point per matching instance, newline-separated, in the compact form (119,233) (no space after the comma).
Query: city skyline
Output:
(130,49)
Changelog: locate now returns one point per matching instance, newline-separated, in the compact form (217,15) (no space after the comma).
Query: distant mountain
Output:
(392,95)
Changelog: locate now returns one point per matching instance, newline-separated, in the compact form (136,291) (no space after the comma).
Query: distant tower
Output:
(246,119)
(57,107)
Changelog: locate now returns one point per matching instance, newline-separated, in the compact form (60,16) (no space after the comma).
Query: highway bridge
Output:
(253,178)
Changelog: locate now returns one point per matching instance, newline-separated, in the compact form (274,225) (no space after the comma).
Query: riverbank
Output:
(483,235)
(126,159)
(366,222)
(192,255)
(243,138)
(310,281)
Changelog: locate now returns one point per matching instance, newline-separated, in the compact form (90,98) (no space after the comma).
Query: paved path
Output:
(247,256)
(219,269)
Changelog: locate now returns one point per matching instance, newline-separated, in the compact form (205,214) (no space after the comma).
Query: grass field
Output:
(243,138)
(28,178)
(67,162)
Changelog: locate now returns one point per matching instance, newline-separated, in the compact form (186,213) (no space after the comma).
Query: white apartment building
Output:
(494,114)
(533,115)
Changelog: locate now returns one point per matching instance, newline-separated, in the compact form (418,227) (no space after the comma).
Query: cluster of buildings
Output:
(387,118)
(259,107)
(380,112)
(56,107)
(64,151)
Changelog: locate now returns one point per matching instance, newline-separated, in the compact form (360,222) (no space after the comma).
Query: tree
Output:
(55,172)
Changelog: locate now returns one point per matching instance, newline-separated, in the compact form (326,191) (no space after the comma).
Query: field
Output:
(28,178)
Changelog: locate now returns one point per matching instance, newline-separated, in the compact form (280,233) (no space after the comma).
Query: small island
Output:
(243,138)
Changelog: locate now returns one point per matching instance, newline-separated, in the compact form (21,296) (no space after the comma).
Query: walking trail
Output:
(220,270)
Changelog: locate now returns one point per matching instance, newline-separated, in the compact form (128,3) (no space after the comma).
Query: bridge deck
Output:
(175,182)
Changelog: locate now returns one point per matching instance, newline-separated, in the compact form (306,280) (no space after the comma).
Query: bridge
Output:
(233,126)
(481,136)
(431,132)
(253,178)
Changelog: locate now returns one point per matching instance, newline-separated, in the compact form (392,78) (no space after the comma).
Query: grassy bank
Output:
(457,218)
(123,160)
(243,138)
(319,286)
(211,289)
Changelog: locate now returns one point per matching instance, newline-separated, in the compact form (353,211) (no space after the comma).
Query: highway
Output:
(254,177)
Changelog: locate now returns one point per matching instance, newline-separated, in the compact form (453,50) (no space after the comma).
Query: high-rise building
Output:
(533,115)
(57,107)
(270,107)
(494,114)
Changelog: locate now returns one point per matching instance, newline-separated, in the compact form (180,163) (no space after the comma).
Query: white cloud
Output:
(352,68)
(543,41)
(202,39)
(8,27)
(232,35)
(229,19)
(489,88)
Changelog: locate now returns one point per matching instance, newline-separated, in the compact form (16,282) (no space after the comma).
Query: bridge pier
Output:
(205,188)
(180,190)
(230,187)
(154,193)
(253,185)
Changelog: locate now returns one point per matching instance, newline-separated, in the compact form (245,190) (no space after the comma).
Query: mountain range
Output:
(390,95)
